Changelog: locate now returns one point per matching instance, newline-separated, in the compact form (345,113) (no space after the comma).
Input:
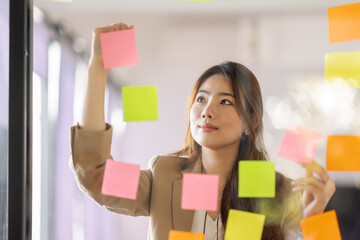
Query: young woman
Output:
(225,127)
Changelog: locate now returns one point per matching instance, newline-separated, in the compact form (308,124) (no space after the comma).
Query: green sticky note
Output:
(343,66)
(256,179)
(244,225)
(140,103)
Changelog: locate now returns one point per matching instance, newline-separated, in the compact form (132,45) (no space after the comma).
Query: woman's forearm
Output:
(93,117)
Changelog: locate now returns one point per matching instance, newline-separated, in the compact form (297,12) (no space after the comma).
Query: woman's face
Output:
(214,121)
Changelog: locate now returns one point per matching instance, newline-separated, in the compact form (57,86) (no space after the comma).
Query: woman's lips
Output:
(207,127)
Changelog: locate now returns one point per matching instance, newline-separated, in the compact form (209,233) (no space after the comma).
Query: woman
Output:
(225,112)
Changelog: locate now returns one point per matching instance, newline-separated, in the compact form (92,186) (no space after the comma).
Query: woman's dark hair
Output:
(249,105)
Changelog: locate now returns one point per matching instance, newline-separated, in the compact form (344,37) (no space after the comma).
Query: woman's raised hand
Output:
(93,117)
(96,56)
(317,190)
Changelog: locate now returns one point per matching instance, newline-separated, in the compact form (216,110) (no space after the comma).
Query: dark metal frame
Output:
(20,120)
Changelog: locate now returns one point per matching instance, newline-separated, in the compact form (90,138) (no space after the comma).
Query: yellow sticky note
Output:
(244,225)
(180,235)
(321,226)
(140,103)
(343,66)
(257,179)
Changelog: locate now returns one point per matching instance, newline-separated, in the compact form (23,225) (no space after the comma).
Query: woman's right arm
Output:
(91,142)
(93,117)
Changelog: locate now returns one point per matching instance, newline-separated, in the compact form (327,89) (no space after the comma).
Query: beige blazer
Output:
(159,192)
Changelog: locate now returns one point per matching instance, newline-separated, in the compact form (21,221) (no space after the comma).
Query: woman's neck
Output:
(219,162)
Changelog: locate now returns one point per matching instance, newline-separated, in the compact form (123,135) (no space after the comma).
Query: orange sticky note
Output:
(299,144)
(119,48)
(120,179)
(343,153)
(321,226)
(344,23)
(200,191)
(180,235)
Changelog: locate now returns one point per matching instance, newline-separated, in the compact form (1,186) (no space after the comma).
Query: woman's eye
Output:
(225,102)
(200,99)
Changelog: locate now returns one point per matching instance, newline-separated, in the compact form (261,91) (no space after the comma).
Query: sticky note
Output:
(256,179)
(344,23)
(120,179)
(299,144)
(199,191)
(343,66)
(321,226)
(119,48)
(140,103)
(180,235)
(343,153)
(244,225)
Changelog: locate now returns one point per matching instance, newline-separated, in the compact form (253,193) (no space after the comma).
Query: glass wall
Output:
(4,114)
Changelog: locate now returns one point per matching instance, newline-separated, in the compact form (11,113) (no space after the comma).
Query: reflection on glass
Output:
(53,80)
(36,151)
(4,110)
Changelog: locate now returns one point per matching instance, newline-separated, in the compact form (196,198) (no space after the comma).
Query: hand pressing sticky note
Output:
(244,225)
(256,179)
(344,23)
(321,226)
(119,48)
(120,179)
(343,66)
(343,153)
(199,191)
(180,235)
(140,103)
(299,144)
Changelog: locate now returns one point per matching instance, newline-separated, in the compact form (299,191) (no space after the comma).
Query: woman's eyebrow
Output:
(219,94)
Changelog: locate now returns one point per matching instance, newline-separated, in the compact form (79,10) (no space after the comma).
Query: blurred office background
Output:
(282,42)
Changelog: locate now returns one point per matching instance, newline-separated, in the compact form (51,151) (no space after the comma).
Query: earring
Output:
(247,133)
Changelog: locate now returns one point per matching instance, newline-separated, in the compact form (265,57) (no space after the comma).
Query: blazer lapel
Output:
(182,219)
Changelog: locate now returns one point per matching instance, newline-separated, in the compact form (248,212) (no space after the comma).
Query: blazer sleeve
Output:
(90,149)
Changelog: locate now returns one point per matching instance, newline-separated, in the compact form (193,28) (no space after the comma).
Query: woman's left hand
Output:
(317,191)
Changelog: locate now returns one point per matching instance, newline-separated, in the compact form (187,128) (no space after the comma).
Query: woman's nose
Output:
(208,112)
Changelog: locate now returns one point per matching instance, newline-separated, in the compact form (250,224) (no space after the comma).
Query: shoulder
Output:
(167,162)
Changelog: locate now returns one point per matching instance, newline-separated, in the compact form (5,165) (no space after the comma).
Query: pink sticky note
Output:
(121,179)
(299,144)
(199,191)
(119,48)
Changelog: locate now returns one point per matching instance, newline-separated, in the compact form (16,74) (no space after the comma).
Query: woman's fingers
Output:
(313,181)
(330,187)
(96,54)
(318,169)
(309,188)
(112,27)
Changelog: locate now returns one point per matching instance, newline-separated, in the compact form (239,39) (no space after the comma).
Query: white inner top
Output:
(212,227)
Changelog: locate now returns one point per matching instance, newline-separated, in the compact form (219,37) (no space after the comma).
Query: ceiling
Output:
(57,8)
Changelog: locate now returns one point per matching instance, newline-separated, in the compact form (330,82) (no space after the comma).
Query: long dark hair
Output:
(248,100)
